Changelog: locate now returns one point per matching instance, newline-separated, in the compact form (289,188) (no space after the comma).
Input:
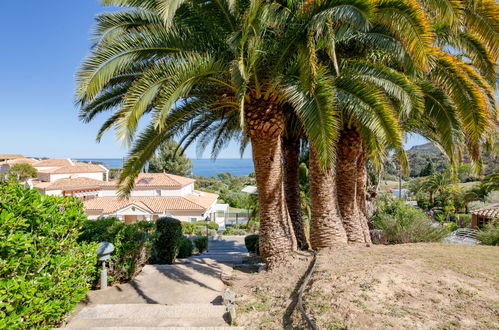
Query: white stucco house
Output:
(154,194)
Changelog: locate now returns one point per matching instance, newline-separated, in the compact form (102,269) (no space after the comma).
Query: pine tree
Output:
(170,159)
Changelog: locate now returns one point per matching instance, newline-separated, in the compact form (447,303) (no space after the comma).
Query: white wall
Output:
(53,192)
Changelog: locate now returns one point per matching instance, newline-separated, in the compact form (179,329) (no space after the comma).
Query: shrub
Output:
(489,235)
(167,242)
(188,228)
(463,220)
(185,248)
(251,242)
(23,171)
(201,243)
(132,245)
(211,225)
(235,230)
(405,224)
(44,271)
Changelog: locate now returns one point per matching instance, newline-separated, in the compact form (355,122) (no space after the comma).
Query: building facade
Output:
(154,194)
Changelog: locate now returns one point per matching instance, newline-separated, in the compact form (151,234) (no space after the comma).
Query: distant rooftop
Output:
(10,156)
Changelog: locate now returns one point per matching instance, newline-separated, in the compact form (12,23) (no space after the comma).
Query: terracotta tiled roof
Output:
(68,183)
(157,180)
(490,212)
(19,161)
(52,162)
(159,205)
(202,198)
(10,156)
(79,168)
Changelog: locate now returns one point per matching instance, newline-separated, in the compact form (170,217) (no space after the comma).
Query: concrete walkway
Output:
(183,295)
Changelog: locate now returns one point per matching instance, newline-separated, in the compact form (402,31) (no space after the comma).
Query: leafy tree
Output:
(23,171)
(170,159)
(427,170)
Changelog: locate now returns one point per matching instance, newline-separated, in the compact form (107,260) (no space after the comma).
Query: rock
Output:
(229,297)
(231,309)
(378,236)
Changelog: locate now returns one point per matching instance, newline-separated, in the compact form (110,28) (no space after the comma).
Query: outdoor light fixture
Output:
(207,222)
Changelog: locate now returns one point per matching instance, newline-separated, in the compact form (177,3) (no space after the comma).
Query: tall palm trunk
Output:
(264,125)
(291,152)
(326,228)
(362,192)
(348,151)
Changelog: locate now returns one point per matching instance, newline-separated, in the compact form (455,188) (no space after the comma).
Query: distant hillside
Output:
(421,154)
(427,148)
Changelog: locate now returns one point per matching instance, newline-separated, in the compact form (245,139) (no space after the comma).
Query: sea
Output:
(202,166)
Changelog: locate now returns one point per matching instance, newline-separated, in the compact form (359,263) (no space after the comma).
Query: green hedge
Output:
(201,243)
(405,224)
(251,242)
(44,271)
(167,242)
(132,245)
(185,248)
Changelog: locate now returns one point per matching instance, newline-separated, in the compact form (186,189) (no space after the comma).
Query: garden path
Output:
(183,295)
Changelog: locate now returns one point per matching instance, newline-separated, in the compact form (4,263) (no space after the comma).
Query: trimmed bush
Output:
(251,242)
(188,228)
(167,242)
(211,225)
(132,245)
(185,248)
(44,271)
(234,230)
(201,243)
(405,224)
(489,235)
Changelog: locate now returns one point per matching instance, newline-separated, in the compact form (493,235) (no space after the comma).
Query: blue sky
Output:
(43,43)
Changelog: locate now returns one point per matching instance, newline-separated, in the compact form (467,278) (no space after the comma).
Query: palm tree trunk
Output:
(264,125)
(362,193)
(291,152)
(348,151)
(326,228)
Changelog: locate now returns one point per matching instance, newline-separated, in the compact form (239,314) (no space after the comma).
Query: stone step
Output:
(159,328)
(145,323)
(152,311)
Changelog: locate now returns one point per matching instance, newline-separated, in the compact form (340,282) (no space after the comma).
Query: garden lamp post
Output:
(207,222)
(104,253)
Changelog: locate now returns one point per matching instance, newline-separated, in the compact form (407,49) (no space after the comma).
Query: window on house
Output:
(158,192)
(194,219)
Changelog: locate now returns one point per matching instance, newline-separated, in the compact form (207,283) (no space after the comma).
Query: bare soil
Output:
(408,286)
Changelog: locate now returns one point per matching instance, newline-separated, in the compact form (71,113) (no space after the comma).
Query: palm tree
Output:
(184,61)
(448,87)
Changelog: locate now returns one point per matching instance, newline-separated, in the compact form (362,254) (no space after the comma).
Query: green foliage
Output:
(229,188)
(251,242)
(463,220)
(235,230)
(405,224)
(489,235)
(170,160)
(23,171)
(44,271)
(132,245)
(167,243)
(188,228)
(185,248)
(427,170)
(201,243)
(198,228)
(211,225)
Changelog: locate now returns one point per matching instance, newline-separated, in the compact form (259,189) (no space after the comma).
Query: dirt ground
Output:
(409,286)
